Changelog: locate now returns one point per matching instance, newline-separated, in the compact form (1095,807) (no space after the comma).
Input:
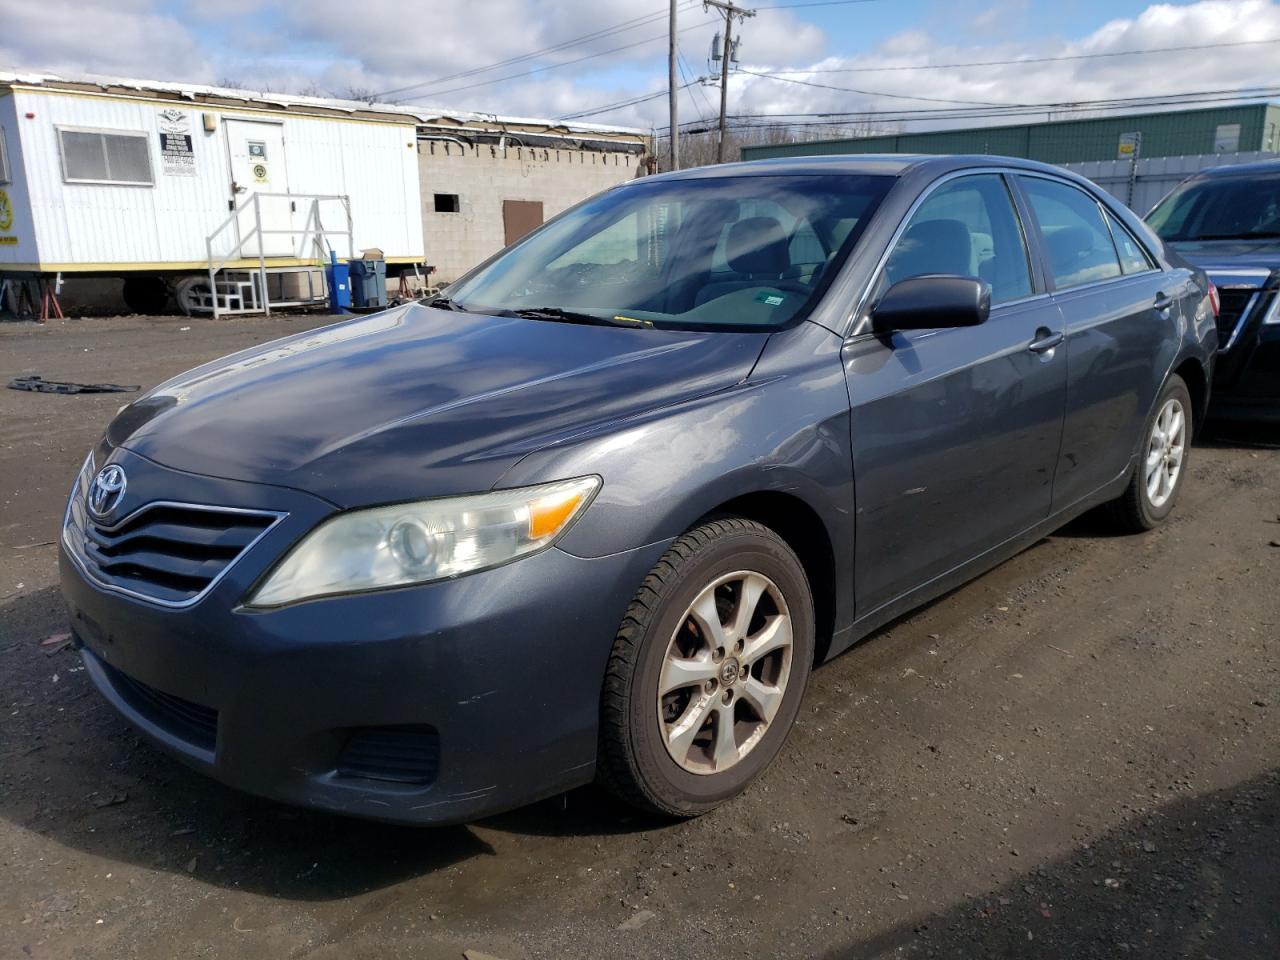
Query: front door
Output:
(955,432)
(256,150)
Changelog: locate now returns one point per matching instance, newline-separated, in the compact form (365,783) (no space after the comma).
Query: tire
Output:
(189,294)
(716,563)
(147,295)
(1138,509)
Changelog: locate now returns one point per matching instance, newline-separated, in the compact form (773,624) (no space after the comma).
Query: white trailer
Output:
(231,201)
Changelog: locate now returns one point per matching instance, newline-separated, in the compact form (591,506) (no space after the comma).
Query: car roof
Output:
(889,164)
(1256,169)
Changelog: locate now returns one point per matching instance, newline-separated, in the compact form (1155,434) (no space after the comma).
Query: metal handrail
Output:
(318,235)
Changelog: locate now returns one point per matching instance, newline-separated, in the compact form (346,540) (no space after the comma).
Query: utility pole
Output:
(672,93)
(729,11)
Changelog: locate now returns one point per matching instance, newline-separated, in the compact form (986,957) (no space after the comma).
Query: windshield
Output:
(719,253)
(1226,208)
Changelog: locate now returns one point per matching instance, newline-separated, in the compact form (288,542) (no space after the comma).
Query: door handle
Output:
(1162,302)
(1045,341)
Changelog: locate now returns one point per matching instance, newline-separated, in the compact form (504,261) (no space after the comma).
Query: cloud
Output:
(129,37)
(434,48)
(1103,77)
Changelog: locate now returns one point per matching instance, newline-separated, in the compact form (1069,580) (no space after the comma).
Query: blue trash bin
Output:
(338,277)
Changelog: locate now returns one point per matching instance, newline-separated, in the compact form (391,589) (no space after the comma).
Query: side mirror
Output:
(932,302)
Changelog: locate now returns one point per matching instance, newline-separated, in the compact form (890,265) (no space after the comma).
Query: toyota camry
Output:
(596,511)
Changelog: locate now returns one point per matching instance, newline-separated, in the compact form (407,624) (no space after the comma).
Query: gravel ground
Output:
(1076,756)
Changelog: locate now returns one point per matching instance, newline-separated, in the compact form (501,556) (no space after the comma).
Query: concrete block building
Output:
(484,186)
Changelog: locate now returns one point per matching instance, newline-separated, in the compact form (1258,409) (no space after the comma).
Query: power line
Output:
(1021,110)
(812,3)
(686,71)
(603,32)
(1021,60)
(622,103)
(565,63)
(600,34)
(1243,93)
(875,93)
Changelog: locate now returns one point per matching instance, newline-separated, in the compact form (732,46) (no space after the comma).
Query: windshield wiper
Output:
(570,316)
(447,303)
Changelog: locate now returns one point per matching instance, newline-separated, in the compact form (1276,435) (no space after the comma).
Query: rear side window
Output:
(966,227)
(1078,242)
(1133,258)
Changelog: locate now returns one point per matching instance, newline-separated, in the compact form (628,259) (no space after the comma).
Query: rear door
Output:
(1118,310)
(256,152)
(955,432)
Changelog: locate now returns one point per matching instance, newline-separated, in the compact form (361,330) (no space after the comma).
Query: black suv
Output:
(1227,221)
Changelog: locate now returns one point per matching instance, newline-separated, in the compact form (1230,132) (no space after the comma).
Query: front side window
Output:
(967,227)
(1220,208)
(98,156)
(742,252)
(1076,237)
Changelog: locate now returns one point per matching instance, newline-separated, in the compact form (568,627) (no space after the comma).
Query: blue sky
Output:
(336,48)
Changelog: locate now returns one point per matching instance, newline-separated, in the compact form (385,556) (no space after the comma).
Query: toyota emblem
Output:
(107,490)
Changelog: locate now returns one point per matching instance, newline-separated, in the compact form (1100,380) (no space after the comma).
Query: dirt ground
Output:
(1076,756)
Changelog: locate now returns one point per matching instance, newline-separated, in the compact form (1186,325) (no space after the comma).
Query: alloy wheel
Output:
(1165,451)
(725,672)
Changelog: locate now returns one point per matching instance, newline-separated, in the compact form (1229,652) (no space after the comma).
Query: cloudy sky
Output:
(555,58)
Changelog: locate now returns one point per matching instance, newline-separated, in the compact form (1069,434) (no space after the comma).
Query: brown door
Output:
(519,217)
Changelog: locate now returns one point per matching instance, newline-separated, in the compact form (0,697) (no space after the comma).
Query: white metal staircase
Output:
(245,288)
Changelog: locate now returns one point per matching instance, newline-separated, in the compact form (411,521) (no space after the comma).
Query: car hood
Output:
(1215,256)
(417,402)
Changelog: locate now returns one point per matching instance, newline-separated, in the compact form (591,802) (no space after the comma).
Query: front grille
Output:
(170,553)
(398,754)
(189,722)
(1237,305)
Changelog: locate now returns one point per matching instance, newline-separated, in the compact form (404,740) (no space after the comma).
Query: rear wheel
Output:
(707,671)
(1162,462)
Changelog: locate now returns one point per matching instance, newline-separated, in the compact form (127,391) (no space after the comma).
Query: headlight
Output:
(1273,313)
(411,543)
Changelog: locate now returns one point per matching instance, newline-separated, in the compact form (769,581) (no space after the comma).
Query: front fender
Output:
(785,430)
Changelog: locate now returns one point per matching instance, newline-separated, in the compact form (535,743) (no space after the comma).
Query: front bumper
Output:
(1246,384)
(498,672)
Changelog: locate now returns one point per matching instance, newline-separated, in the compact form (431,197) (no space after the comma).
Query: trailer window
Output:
(99,156)
(4,158)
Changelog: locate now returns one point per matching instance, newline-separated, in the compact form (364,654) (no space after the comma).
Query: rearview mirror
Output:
(932,302)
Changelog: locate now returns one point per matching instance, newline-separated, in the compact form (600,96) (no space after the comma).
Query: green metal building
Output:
(1237,129)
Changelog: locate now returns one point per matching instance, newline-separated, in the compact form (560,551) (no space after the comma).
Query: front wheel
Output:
(1162,461)
(707,671)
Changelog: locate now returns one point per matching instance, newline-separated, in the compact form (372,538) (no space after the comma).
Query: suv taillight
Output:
(1214,303)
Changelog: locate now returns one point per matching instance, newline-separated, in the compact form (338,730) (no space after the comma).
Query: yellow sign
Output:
(260,172)
(8,241)
(6,212)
